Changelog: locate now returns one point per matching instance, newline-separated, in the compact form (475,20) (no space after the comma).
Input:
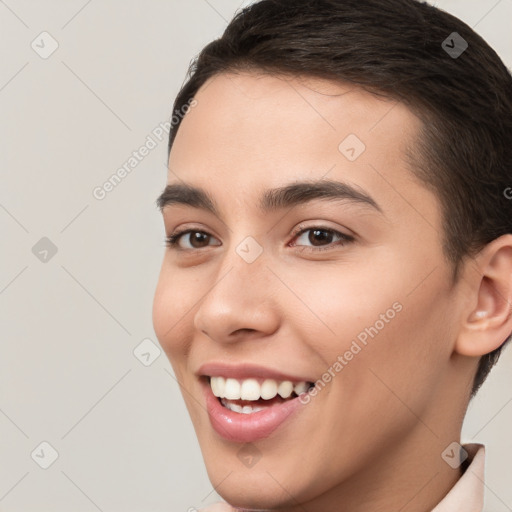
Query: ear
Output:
(487,322)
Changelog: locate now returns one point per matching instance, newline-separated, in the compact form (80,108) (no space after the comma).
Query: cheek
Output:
(404,357)
(344,299)
(380,317)
(171,303)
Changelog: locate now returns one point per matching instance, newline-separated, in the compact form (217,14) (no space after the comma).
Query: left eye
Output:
(322,237)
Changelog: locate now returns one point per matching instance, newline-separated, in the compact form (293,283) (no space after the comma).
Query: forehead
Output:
(252,131)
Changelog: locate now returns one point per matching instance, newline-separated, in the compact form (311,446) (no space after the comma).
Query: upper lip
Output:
(246,371)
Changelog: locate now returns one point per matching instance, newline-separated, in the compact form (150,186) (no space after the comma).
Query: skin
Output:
(372,438)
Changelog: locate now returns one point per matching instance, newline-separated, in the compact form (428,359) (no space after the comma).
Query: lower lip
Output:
(245,428)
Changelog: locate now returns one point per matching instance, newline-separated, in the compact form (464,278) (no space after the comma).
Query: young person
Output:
(338,278)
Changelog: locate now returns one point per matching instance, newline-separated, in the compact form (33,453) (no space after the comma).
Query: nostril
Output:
(244,330)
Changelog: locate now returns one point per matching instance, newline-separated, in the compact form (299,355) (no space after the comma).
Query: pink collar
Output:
(467,495)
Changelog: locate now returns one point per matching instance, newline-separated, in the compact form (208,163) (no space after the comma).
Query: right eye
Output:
(198,241)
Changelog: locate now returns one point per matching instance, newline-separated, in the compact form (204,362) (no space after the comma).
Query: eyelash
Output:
(172,241)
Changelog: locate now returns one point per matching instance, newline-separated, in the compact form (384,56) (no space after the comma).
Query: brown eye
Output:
(321,237)
(196,240)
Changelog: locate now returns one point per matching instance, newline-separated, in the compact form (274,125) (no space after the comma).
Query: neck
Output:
(408,475)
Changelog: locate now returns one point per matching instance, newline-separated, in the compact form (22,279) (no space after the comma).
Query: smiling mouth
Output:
(248,396)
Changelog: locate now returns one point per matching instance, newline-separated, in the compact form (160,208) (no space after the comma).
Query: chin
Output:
(254,493)
(274,481)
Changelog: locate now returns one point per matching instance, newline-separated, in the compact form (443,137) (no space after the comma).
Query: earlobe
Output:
(488,324)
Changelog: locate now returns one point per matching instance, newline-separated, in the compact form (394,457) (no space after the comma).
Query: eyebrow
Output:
(286,196)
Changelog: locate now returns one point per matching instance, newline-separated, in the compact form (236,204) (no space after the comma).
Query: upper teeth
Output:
(251,389)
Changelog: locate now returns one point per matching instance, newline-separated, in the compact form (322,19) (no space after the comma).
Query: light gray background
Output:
(70,325)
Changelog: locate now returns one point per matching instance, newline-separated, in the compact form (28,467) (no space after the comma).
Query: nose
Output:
(240,302)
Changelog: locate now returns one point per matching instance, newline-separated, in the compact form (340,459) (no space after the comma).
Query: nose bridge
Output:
(245,263)
(243,273)
(240,296)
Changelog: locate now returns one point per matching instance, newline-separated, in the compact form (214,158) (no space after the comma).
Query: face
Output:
(340,283)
